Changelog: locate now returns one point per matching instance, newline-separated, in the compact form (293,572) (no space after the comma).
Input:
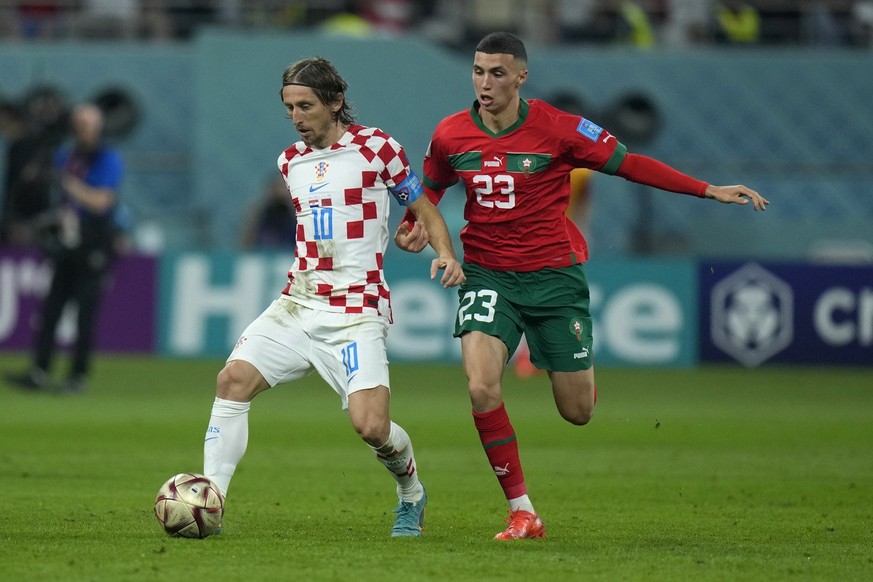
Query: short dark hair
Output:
(321,76)
(504,43)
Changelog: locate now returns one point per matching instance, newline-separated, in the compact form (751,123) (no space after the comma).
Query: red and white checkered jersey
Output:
(342,198)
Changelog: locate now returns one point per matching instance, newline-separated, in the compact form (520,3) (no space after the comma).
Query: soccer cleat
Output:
(522,524)
(410,517)
(34,380)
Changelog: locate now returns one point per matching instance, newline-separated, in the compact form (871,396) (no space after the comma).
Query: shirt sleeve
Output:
(651,172)
(438,171)
(591,146)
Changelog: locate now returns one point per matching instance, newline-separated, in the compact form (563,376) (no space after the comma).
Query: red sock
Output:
(501,447)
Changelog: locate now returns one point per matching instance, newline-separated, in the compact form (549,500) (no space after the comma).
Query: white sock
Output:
(226,440)
(522,503)
(396,454)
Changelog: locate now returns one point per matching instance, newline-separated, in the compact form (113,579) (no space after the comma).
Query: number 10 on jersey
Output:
(322,219)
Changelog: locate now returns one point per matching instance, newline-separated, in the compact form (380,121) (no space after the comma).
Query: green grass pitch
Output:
(710,474)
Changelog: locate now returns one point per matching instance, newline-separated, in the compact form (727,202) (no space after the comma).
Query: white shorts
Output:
(288,341)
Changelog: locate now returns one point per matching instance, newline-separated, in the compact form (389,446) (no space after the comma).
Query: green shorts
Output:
(550,307)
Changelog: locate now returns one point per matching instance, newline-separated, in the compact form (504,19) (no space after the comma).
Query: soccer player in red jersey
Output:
(523,257)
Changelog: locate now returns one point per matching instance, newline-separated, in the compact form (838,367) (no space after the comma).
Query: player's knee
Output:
(232,384)
(373,431)
(579,415)
(484,396)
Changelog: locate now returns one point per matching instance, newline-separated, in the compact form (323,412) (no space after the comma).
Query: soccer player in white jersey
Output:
(333,314)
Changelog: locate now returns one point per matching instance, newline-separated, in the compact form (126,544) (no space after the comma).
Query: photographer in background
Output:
(88,174)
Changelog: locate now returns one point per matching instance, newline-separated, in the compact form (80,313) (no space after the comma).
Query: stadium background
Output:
(793,123)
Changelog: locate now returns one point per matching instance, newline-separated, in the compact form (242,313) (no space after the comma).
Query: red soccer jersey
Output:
(518,183)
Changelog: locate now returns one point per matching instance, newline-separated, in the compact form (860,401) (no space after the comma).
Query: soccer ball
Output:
(189,505)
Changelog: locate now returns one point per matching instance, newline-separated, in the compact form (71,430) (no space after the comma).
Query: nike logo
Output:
(313,187)
(210,438)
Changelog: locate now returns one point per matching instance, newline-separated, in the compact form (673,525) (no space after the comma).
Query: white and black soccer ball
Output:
(189,505)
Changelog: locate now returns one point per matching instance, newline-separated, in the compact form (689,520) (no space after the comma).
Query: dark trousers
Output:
(79,277)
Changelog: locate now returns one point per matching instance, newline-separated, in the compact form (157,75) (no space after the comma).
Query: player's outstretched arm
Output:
(737,194)
(651,172)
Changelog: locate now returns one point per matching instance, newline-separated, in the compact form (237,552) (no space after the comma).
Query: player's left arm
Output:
(408,190)
(736,194)
(411,235)
(651,172)
(438,234)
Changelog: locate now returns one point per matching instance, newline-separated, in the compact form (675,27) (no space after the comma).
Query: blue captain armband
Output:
(409,190)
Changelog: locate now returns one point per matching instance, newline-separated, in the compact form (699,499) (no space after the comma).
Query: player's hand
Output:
(453,275)
(737,194)
(414,240)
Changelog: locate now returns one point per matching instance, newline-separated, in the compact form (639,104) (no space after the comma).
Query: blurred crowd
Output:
(458,23)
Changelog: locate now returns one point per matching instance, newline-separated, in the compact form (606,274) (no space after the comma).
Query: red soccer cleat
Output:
(522,524)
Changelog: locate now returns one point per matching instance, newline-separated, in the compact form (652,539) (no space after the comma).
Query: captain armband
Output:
(409,190)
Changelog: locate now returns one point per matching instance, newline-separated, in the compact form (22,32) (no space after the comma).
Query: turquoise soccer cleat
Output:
(410,517)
